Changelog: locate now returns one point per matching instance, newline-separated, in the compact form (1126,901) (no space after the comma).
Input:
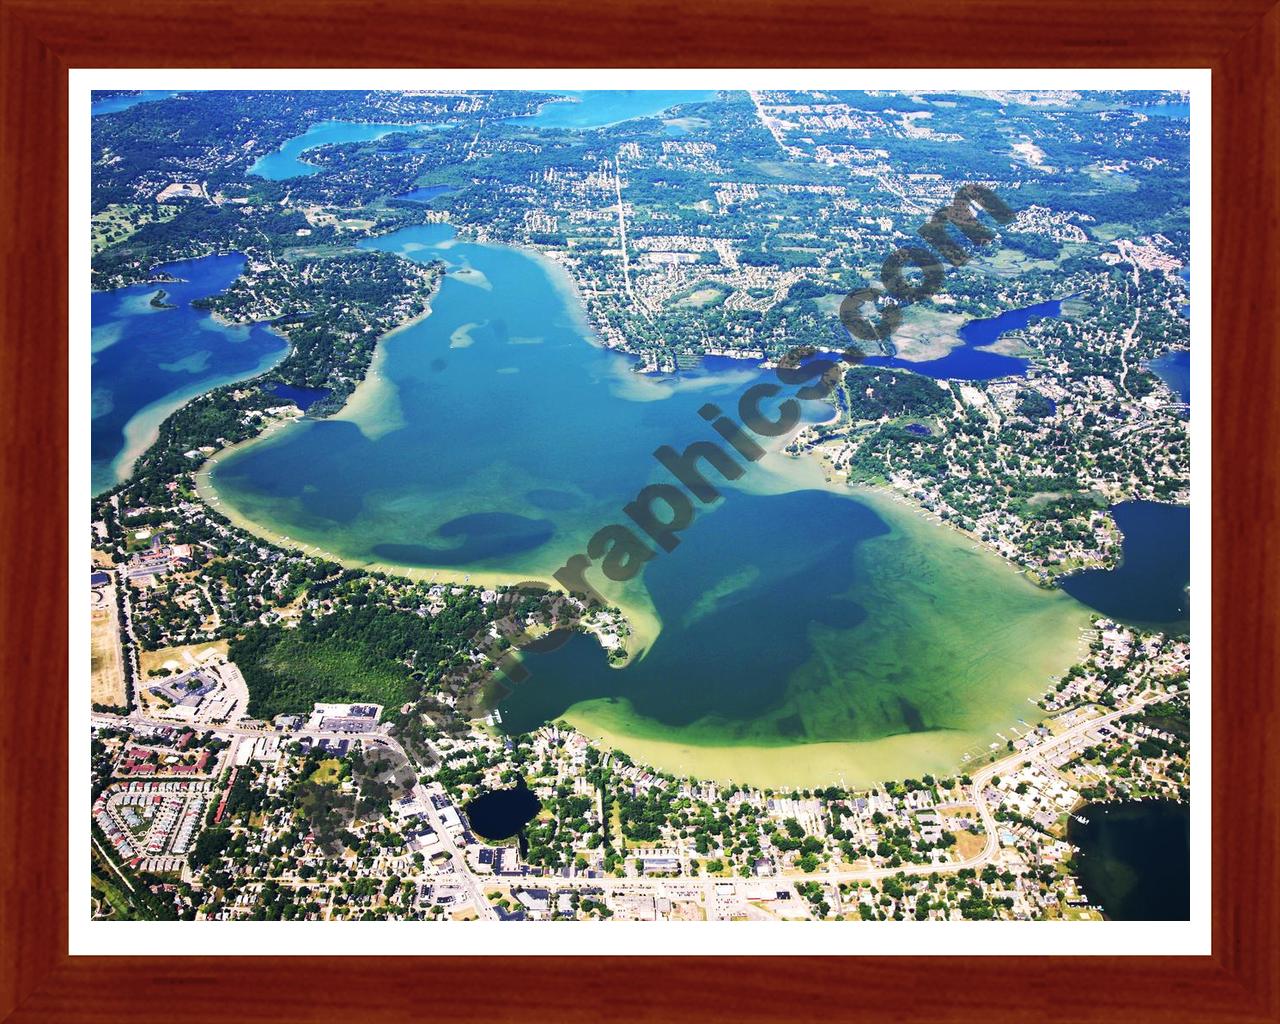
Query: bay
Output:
(1174,368)
(801,633)
(287,162)
(969,361)
(599,108)
(148,359)
(1135,859)
(1149,587)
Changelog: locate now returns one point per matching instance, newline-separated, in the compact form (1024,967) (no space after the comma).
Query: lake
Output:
(287,162)
(968,361)
(303,398)
(148,360)
(498,814)
(1178,111)
(1174,368)
(800,633)
(1149,587)
(1135,859)
(597,109)
(111,104)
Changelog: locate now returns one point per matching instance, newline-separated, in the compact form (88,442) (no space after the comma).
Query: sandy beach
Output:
(857,764)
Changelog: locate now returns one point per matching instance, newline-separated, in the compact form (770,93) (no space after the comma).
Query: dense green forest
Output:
(875,393)
(370,653)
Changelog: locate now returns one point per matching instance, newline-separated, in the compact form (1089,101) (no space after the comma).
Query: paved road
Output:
(461,872)
(714,904)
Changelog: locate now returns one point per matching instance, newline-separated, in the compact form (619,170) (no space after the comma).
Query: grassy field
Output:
(178,658)
(113,897)
(327,771)
(968,845)
(700,297)
(120,221)
(1011,263)
(106,684)
(927,333)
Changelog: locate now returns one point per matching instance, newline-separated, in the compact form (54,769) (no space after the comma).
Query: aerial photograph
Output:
(638,505)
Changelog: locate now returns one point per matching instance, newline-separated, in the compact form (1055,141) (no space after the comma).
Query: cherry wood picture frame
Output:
(41,39)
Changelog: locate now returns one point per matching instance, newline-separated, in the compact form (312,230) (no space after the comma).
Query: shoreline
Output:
(641,617)
(850,764)
(374,392)
(821,761)
(142,429)
(613,724)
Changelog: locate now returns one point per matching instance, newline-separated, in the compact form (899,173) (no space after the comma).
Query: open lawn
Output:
(1110,231)
(1011,263)
(327,771)
(968,845)
(700,297)
(178,659)
(120,221)
(107,663)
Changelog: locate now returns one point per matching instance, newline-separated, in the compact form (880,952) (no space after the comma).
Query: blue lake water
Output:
(111,104)
(287,162)
(303,398)
(596,109)
(967,361)
(1135,859)
(1149,587)
(1174,368)
(147,361)
(493,437)
(425,194)
(1179,111)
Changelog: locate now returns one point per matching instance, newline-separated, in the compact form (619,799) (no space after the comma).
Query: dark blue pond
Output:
(1149,587)
(502,813)
(303,398)
(967,362)
(1135,859)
